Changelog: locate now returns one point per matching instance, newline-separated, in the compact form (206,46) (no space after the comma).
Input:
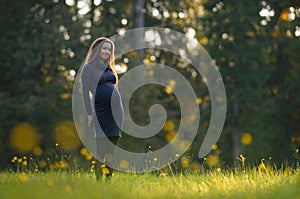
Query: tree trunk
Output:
(235,100)
(139,22)
(236,129)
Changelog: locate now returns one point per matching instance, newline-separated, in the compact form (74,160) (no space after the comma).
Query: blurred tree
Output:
(255,44)
(241,38)
(38,53)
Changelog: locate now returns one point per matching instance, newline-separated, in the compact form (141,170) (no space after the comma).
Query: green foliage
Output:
(249,53)
(258,58)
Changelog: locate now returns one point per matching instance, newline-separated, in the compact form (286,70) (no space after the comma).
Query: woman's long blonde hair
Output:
(93,54)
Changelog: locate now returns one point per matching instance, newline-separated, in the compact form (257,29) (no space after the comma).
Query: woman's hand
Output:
(90,120)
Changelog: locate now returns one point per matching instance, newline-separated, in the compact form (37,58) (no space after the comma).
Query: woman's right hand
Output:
(90,120)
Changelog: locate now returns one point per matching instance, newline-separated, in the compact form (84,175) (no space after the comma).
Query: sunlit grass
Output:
(248,183)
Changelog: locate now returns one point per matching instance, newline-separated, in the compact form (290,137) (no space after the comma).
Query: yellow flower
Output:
(105,170)
(214,147)
(262,166)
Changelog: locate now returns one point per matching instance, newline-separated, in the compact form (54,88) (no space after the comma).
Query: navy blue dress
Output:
(107,105)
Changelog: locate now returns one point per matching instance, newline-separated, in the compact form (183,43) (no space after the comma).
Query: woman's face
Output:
(105,51)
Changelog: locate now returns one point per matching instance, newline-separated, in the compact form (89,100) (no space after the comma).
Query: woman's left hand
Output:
(90,120)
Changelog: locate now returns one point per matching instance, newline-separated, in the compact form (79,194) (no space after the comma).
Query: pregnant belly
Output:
(104,93)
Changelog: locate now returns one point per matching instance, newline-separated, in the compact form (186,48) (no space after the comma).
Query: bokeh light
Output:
(24,137)
(169,126)
(65,135)
(246,139)
(212,160)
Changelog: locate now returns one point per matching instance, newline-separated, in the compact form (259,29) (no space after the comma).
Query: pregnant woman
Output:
(99,82)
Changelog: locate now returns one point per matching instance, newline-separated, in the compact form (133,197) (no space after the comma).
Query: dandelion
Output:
(214,147)
(219,170)
(83,151)
(88,156)
(15,158)
(262,166)
(105,170)
(199,100)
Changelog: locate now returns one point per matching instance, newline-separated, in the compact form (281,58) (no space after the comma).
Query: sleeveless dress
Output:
(106,104)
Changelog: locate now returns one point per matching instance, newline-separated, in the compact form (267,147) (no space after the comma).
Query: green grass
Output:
(252,183)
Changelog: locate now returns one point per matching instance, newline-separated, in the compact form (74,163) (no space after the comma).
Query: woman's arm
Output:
(86,88)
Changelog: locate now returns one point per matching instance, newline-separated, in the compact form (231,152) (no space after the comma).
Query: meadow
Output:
(237,183)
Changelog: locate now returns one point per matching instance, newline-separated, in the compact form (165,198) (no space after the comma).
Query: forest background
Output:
(255,44)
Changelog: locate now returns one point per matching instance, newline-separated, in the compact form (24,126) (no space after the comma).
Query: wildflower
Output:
(199,100)
(214,147)
(83,151)
(15,158)
(105,170)
(262,165)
